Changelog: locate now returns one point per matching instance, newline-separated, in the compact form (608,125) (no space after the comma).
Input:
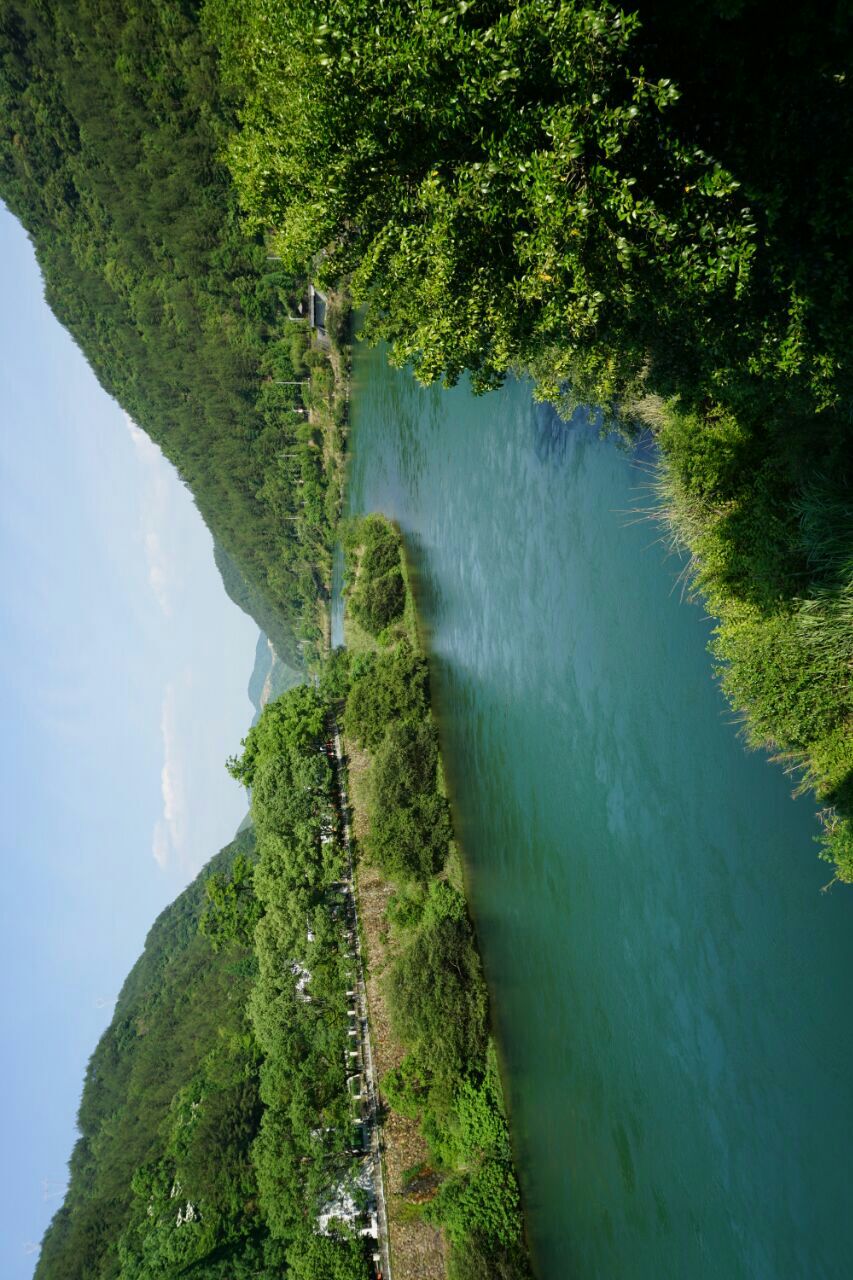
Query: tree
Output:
(232,910)
(410,820)
(497,181)
(316,1257)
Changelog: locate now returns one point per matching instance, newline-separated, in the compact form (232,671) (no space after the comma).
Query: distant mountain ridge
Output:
(260,672)
(270,676)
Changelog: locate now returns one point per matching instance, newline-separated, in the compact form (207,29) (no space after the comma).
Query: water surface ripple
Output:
(670,985)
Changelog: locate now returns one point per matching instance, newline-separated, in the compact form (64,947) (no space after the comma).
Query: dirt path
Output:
(417,1249)
(372,1103)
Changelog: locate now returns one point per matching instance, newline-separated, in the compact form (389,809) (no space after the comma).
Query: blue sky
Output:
(123,674)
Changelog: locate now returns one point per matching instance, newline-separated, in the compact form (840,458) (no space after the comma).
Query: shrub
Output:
(477,1257)
(377,602)
(410,821)
(380,546)
(316,1257)
(792,693)
(837,841)
(375,559)
(438,1000)
(404,1088)
(384,690)
(482,1203)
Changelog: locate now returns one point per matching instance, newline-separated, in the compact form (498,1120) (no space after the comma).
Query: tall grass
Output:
(778,577)
(825,512)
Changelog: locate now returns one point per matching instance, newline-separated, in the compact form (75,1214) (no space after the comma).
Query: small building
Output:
(317,312)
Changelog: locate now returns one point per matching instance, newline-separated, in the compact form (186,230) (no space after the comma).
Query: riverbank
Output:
(772,561)
(454,1205)
(327,362)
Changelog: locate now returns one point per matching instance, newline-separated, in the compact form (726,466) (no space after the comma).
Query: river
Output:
(669,984)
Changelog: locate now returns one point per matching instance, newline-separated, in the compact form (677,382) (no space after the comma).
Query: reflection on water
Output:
(669,984)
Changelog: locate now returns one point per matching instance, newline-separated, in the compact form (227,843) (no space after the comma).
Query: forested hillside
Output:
(216,1122)
(112,119)
(170,1108)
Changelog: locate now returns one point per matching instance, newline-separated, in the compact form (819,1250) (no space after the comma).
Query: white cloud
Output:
(170,829)
(160,845)
(145,446)
(158,571)
(155,515)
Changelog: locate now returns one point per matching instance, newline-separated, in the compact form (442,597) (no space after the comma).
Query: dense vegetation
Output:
(377,596)
(112,120)
(170,1108)
(436,993)
(650,212)
(298,1005)
(647,211)
(218,1136)
(216,1124)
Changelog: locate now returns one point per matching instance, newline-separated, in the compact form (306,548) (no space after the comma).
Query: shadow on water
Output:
(552,435)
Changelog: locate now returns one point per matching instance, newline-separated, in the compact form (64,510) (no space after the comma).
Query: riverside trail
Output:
(372,1110)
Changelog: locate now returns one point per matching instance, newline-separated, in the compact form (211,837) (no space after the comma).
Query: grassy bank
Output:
(428,995)
(772,559)
(313,466)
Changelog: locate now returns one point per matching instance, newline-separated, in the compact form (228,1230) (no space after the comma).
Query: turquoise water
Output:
(670,986)
(336,620)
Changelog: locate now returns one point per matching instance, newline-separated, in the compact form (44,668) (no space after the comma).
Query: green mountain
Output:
(170,1108)
(260,672)
(112,122)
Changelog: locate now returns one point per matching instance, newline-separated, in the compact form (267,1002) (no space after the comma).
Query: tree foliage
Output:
(502,181)
(437,993)
(216,1122)
(386,688)
(298,1004)
(410,821)
(378,594)
(232,910)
